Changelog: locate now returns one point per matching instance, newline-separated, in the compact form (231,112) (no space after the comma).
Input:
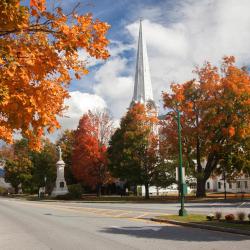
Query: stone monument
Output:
(61,186)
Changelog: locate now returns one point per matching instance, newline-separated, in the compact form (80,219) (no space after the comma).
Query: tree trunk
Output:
(146,191)
(99,190)
(16,189)
(203,175)
(201,188)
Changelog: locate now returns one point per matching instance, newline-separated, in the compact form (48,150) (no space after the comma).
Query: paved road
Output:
(41,225)
(171,208)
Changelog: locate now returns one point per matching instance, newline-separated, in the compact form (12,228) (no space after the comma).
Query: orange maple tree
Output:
(89,159)
(215,118)
(38,51)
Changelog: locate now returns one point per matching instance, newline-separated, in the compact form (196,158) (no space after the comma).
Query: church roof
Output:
(142,87)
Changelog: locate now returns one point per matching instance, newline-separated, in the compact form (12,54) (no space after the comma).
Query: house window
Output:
(246,185)
(230,185)
(208,185)
(238,184)
(219,185)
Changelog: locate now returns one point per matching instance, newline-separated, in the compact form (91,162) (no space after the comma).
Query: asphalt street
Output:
(168,208)
(63,225)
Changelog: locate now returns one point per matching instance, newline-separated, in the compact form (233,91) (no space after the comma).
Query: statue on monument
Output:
(60,153)
(61,186)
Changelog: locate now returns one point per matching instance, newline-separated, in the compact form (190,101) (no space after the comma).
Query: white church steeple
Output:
(142,87)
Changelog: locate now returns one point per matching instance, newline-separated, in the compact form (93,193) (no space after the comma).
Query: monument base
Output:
(60,188)
(59,191)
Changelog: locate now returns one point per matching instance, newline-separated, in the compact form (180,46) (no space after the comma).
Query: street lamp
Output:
(182,185)
(225,185)
(45,179)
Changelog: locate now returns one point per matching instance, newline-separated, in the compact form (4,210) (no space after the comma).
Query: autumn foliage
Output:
(89,158)
(38,49)
(215,118)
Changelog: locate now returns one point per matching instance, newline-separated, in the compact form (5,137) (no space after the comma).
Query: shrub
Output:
(230,217)
(241,216)
(75,191)
(63,197)
(3,191)
(218,215)
(210,216)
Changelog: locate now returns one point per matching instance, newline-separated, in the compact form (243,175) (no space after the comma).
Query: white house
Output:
(3,183)
(239,184)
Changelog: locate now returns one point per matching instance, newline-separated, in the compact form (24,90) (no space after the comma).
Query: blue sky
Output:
(118,13)
(180,35)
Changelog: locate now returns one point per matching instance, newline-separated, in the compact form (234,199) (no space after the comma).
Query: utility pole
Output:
(225,185)
(182,185)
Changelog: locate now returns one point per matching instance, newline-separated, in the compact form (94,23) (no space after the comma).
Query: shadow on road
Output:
(236,205)
(174,233)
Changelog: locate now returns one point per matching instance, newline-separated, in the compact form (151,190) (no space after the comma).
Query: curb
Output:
(208,227)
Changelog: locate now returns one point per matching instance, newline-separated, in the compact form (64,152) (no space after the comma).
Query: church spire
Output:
(142,87)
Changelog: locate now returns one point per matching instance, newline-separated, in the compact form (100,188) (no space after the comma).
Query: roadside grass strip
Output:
(200,221)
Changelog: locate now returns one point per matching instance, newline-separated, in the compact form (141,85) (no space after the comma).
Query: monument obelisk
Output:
(61,186)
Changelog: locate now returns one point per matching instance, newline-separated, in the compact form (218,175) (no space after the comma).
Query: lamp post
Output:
(182,185)
(225,185)
(45,179)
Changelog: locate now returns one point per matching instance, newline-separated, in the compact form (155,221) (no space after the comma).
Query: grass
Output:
(201,219)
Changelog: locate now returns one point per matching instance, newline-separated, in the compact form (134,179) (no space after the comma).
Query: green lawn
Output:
(201,219)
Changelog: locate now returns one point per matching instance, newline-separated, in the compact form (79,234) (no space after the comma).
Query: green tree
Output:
(29,168)
(133,151)
(44,165)
(18,167)
(18,172)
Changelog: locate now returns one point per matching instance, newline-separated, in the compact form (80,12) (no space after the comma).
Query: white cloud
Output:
(202,30)
(115,48)
(90,61)
(116,89)
(78,104)
(178,39)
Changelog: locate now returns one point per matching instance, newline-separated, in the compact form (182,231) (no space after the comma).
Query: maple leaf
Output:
(39,4)
(39,49)
(215,119)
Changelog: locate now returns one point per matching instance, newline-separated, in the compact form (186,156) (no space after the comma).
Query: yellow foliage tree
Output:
(38,50)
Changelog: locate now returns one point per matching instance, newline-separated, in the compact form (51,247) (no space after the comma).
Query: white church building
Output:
(143,94)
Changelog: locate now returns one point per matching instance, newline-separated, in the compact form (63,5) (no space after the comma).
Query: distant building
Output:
(239,184)
(3,183)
